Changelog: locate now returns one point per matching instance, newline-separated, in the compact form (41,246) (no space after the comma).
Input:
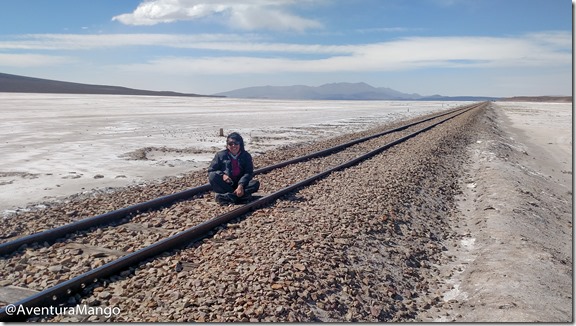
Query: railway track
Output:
(133,220)
(53,234)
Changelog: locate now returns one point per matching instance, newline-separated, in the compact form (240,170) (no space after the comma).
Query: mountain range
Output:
(333,91)
(338,91)
(21,84)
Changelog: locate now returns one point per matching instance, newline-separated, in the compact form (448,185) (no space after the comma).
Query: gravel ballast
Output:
(371,243)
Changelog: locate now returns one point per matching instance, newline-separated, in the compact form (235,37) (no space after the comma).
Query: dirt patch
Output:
(513,257)
(24,175)
(7,178)
(157,153)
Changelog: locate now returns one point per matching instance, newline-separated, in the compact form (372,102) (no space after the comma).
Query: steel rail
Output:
(108,217)
(57,293)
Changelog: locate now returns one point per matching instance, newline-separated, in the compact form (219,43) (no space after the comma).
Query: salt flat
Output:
(514,259)
(56,145)
(548,128)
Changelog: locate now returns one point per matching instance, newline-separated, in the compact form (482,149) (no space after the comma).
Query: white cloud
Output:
(220,42)
(25,60)
(239,54)
(404,54)
(456,52)
(99,41)
(553,39)
(243,14)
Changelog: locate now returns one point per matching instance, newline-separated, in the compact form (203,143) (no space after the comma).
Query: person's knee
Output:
(253,186)
(212,176)
(217,183)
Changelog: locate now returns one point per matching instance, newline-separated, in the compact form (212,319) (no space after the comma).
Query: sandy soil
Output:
(56,145)
(513,262)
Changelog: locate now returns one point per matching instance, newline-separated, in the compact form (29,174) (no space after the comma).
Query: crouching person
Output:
(231,173)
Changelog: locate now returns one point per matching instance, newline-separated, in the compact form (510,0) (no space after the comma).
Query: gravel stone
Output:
(362,244)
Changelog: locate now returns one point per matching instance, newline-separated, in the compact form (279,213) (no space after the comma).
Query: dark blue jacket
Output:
(222,164)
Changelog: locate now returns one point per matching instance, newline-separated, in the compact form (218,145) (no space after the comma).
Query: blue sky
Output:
(447,47)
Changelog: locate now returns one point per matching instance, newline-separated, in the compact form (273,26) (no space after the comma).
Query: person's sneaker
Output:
(226,199)
(245,199)
(222,199)
(232,198)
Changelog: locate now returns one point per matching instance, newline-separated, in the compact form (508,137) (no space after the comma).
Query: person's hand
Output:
(239,191)
(227,179)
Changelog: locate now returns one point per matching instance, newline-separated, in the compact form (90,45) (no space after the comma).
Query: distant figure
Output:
(231,171)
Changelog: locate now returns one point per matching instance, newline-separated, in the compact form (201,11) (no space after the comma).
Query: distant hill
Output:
(21,84)
(334,91)
(555,99)
(337,91)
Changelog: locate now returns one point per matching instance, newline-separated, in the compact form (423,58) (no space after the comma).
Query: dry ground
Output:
(514,260)
(511,258)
